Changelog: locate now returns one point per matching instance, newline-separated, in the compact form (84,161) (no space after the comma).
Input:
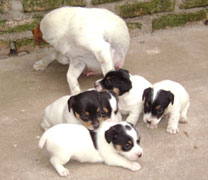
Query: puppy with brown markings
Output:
(129,89)
(166,98)
(89,108)
(118,144)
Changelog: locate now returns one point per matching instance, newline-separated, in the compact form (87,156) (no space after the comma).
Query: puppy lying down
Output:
(115,143)
(88,108)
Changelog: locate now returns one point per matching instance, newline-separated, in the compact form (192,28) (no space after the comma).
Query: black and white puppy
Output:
(166,98)
(89,49)
(118,144)
(89,108)
(129,89)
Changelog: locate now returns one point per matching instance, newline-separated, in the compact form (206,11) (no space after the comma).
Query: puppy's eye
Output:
(108,82)
(128,146)
(160,111)
(138,141)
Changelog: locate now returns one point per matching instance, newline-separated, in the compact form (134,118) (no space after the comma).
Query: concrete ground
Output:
(180,55)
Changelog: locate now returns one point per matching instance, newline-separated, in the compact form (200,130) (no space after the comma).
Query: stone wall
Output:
(19,17)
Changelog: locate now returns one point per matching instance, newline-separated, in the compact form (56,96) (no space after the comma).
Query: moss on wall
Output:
(141,8)
(103,1)
(193,3)
(173,20)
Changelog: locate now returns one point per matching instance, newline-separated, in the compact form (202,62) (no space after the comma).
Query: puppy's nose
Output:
(139,155)
(96,125)
(148,122)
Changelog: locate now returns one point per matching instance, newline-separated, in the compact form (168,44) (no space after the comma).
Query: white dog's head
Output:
(125,140)
(117,81)
(156,103)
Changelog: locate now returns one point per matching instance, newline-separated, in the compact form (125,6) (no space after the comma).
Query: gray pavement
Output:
(180,55)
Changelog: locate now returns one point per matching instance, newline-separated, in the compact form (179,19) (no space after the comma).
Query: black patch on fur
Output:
(93,135)
(162,100)
(119,79)
(90,102)
(118,136)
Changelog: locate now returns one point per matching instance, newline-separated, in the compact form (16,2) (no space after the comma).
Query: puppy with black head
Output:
(89,108)
(117,144)
(166,98)
(129,89)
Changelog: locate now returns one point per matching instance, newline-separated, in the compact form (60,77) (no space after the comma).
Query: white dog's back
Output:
(71,139)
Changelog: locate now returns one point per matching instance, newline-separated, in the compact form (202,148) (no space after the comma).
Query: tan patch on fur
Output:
(118,147)
(147,104)
(158,107)
(130,142)
(108,77)
(77,115)
(87,113)
(105,110)
(98,109)
(116,90)
(87,123)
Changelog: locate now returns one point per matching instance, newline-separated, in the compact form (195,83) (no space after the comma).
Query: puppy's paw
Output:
(151,126)
(63,172)
(135,166)
(39,66)
(172,130)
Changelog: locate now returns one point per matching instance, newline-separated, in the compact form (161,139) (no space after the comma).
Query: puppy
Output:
(89,108)
(166,97)
(129,89)
(91,40)
(117,145)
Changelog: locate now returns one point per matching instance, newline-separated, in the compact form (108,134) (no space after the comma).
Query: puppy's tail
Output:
(43,140)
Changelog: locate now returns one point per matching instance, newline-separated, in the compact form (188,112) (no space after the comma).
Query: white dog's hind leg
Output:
(58,165)
(76,68)
(183,118)
(103,55)
(43,63)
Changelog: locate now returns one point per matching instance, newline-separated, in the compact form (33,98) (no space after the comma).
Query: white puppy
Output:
(129,89)
(163,98)
(91,40)
(116,144)
(89,108)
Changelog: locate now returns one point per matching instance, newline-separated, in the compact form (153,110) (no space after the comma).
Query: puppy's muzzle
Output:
(98,86)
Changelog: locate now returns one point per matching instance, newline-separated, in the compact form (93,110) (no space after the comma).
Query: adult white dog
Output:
(116,144)
(166,98)
(91,40)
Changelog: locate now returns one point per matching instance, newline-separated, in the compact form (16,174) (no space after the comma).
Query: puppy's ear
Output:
(111,133)
(70,102)
(171,97)
(145,93)
(124,71)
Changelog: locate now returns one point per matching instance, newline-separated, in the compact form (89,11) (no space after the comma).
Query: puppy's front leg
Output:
(134,115)
(173,123)
(117,160)
(76,68)
(103,55)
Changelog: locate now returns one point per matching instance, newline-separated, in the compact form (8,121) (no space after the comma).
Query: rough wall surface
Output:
(19,17)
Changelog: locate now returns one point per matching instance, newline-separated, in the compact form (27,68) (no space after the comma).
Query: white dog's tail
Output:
(42,140)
